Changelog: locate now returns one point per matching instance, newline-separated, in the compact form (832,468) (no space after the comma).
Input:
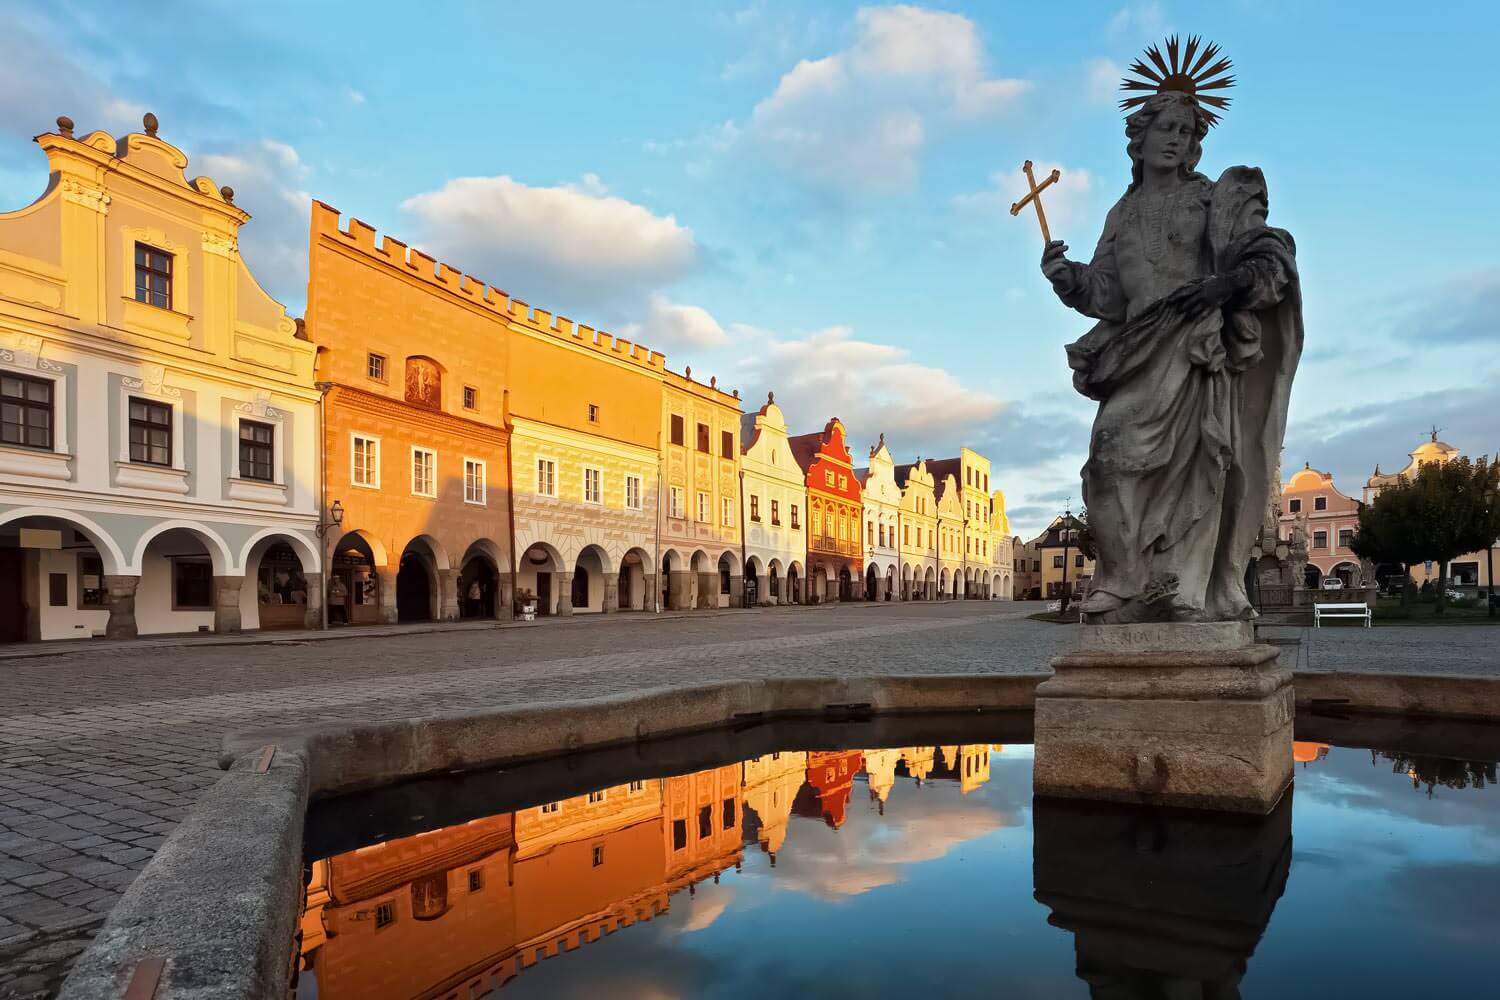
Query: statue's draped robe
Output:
(1192,409)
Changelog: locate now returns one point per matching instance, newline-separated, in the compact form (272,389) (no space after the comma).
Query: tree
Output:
(1086,537)
(1438,515)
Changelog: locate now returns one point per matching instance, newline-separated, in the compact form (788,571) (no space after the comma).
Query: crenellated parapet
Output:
(359,238)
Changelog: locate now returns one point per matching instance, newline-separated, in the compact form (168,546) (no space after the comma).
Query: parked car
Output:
(1332,583)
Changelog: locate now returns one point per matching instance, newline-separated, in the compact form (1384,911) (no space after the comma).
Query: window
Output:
(423,472)
(475,490)
(551,808)
(471,398)
(1346,536)
(1057,562)
(257,451)
(795,525)
(679,834)
(153,276)
(1320,503)
(705,822)
(676,508)
(385,915)
(1036,565)
(375,366)
(726,444)
(365,461)
(827,477)
(192,585)
(633,492)
(1294,506)
(986,482)
(817,523)
(593,486)
(1320,539)
(90,582)
(57,590)
(703,507)
(726,511)
(703,438)
(727,820)
(906,534)
(150,432)
(1078,561)
(546,477)
(754,507)
(637,786)
(596,797)
(843,482)
(677,431)
(26,411)
(871,528)
(593,413)
(776,512)
(598,855)
(724,581)
(476,880)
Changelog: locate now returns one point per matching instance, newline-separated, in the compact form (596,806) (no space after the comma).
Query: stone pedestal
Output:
(680,589)
(1190,715)
(611,593)
(119,597)
(312,611)
(564,584)
(386,593)
(708,590)
(448,607)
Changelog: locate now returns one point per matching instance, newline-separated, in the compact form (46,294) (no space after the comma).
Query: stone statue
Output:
(1199,334)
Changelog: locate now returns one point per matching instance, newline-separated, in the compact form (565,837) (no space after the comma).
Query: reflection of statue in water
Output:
(1199,333)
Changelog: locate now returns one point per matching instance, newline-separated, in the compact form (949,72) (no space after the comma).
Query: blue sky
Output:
(811,197)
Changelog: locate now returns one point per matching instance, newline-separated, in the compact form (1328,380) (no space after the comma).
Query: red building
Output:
(830,780)
(835,514)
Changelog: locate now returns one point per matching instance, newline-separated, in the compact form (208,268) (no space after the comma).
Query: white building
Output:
(159,448)
(775,497)
(882,505)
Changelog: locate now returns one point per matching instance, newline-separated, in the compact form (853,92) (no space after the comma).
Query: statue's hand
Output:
(1055,265)
(1215,290)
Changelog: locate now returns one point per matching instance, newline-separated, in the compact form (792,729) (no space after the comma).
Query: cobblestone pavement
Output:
(102,750)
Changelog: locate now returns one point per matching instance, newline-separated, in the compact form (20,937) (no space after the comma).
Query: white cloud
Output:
(563,247)
(41,80)
(270,182)
(1104,77)
(1144,20)
(1064,202)
(671,325)
(862,116)
(873,388)
(354,96)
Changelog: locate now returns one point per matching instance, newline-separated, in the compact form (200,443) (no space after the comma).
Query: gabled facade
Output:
(774,499)
(1327,519)
(159,452)
(835,519)
(952,528)
(416,448)
(1001,584)
(700,520)
(881,500)
(919,537)
(1062,562)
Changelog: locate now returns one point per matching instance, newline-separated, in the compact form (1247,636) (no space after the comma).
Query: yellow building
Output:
(700,462)
(771,783)
(1001,585)
(951,533)
(1057,550)
(919,535)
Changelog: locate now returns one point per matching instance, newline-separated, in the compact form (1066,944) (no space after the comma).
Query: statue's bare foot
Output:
(1187,613)
(1099,602)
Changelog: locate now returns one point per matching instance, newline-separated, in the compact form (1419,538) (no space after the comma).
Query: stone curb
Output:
(219,902)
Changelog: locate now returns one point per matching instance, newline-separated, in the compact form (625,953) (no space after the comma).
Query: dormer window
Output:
(153,276)
(1320,503)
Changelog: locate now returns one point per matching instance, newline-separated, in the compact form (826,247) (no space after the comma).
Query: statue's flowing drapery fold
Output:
(1192,412)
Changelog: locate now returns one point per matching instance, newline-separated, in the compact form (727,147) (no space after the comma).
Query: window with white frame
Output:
(364,462)
(703,507)
(423,472)
(726,511)
(675,508)
(474,484)
(633,492)
(593,490)
(546,477)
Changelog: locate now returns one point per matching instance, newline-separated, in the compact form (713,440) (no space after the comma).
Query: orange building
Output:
(830,780)
(416,450)
(835,514)
(1328,519)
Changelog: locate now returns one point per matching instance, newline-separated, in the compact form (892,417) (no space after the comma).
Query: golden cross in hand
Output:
(1035,198)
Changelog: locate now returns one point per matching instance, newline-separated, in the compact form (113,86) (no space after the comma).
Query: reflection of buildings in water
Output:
(470,906)
(771,782)
(880,773)
(1434,771)
(830,779)
(968,765)
(1305,753)
(1160,902)
(916,762)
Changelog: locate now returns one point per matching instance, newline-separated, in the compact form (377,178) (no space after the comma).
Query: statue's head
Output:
(1166,132)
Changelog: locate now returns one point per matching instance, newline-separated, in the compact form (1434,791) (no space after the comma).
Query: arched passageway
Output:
(591,572)
(354,582)
(727,591)
(281,596)
(871,584)
(60,579)
(1311,577)
(538,579)
(418,588)
(794,584)
(478,588)
(631,588)
(846,584)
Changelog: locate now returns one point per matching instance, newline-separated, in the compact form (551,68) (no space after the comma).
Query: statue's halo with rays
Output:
(1188,70)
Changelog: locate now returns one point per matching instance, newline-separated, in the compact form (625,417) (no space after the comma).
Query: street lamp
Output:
(1490,496)
(336,513)
(1067,517)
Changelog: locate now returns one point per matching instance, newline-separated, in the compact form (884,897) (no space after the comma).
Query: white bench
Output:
(1360,610)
